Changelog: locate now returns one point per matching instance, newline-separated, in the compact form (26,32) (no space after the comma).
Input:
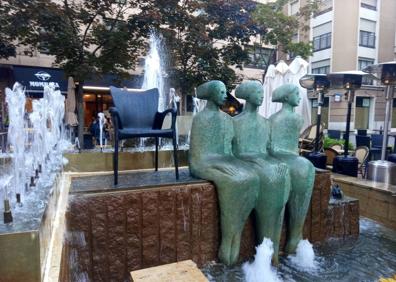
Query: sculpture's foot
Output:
(291,245)
(275,259)
(229,250)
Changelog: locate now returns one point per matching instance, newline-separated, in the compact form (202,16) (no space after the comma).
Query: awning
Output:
(34,79)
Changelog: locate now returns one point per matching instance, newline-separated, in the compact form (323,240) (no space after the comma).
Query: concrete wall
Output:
(345,35)
(387,30)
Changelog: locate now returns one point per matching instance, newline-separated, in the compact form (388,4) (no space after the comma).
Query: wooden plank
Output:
(181,271)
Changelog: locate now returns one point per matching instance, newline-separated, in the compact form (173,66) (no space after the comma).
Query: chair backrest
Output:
(376,140)
(361,153)
(337,147)
(334,134)
(330,154)
(137,109)
(362,140)
(362,132)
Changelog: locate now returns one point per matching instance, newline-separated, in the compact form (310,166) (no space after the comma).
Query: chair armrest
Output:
(160,116)
(115,116)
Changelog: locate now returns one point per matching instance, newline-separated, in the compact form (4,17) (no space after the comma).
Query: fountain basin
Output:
(24,243)
(377,200)
(91,161)
(149,219)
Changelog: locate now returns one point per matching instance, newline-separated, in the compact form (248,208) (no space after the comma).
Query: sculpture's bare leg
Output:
(237,190)
(270,206)
(302,177)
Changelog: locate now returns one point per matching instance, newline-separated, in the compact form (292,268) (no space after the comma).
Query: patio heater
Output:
(383,170)
(350,81)
(319,83)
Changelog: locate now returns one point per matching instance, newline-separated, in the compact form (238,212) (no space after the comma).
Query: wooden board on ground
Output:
(182,271)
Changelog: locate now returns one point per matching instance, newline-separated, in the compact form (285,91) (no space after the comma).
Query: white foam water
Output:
(304,258)
(261,270)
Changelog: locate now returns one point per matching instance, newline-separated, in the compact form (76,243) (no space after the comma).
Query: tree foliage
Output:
(86,37)
(281,28)
(203,38)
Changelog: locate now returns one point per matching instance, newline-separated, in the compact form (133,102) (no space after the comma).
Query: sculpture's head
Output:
(213,90)
(251,91)
(287,93)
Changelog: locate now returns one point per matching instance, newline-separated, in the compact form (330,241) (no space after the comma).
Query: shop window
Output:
(362,112)
(324,114)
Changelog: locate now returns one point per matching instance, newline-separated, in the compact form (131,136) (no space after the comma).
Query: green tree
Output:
(203,38)
(87,37)
(281,28)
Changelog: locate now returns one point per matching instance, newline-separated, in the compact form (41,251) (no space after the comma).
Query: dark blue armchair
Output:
(135,115)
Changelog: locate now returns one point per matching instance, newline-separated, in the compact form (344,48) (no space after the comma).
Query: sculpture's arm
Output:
(225,168)
(160,116)
(115,116)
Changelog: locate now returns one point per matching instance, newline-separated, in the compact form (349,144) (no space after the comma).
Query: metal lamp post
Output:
(382,170)
(320,84)
(350,81)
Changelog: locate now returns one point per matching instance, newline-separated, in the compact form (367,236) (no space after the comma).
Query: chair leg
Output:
(175,157)
(115,159)
(156,153)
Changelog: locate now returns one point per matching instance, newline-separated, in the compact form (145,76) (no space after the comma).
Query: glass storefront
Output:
(325,111)
(362,112)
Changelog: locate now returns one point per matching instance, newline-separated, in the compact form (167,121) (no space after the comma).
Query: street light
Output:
(350,81)
(320,84)
(382,170)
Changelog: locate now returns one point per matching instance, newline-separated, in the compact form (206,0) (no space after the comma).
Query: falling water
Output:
(16,100)
(153,70)
(101,124)
(304,258)
(36,141)
(260,269)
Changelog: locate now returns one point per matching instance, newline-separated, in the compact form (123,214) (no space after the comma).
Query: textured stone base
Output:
(110,234)
(377,200)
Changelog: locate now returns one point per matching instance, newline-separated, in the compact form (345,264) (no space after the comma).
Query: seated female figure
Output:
(250,144)
(211,158)
(285,129)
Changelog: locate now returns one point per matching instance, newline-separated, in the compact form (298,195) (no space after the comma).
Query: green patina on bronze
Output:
(285,130)
(250,144)
(211,158)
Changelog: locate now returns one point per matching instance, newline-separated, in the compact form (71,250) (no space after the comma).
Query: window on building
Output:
(260,57)
(322,67)
(322,42)
(322,36)
(367,39)
(324,7)
(364,62)
(367,33)
(362,112)
(294,7)
(369,4)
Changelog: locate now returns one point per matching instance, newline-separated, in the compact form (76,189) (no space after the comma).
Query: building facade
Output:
(350,35)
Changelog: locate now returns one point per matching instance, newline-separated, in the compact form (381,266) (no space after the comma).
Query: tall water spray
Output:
(154,70)
(36,142)
(16,101)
